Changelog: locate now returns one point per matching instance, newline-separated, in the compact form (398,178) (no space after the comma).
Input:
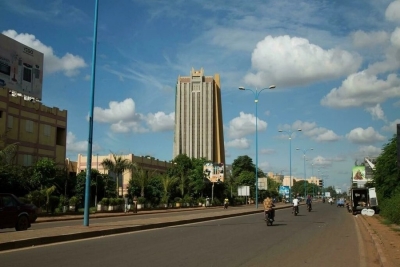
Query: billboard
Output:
(214,171)
(359,174)
(243,191)
(21,68)
(284,190)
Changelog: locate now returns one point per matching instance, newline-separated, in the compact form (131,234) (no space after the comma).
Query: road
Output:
(327,236)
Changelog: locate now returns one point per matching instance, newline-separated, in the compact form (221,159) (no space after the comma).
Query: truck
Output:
(363,198)
(361,195)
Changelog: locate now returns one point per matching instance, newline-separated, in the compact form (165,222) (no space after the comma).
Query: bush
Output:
(178,200)
(141,200)
(74,201)
(113,201)
(201,200)
(37,198)
(105,201)
(53,203)
(389,208)
(120,201)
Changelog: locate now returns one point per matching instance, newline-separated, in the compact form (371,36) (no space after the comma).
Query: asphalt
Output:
(36,237)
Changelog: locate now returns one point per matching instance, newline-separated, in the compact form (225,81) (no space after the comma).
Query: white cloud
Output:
(395,37)
(370,39)
(393,11)
(241,143)
(320,161)
(267,151)
(245,124)
(361,89)
(318,134)
(376,112)
(123,118)
(391,127)
(274,58)
(364,136)
(160,121)
(69,64)
(369,151)
(78,146)
(117,111)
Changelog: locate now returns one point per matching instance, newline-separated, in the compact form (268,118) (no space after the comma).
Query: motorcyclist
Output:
(269,208)
(226,202)
(295,203)
(309,201)
(323,200)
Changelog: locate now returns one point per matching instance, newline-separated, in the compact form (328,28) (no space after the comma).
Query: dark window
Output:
(61,137)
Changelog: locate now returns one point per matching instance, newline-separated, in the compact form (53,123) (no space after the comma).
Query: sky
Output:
(335,65)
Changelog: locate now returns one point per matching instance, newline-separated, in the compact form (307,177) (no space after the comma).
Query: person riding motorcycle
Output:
(269,208)
(308,202)
(295,203)
(226,202)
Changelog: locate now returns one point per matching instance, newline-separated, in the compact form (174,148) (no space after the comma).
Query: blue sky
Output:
(335,65)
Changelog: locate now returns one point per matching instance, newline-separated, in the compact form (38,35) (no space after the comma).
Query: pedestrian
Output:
(135,204)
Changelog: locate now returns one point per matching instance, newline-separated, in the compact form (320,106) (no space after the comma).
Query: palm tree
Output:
(142,176)
(118,165)
(8,153)
(167,182)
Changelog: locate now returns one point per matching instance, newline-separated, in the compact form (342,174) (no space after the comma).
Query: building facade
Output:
(39,131)
(147,163)
(198,117)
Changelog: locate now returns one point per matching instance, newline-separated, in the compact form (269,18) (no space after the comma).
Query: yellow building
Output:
(147,163)
(40,131)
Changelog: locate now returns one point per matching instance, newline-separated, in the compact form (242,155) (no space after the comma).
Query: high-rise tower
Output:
(198,117)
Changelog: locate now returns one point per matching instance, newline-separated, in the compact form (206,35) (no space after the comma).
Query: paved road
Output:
(326,236)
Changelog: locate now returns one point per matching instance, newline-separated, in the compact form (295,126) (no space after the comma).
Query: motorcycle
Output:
(295,210)
(309,207)
(269,218)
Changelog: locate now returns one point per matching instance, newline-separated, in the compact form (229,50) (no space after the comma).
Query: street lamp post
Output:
(304,159)
(256,94)
(290,160)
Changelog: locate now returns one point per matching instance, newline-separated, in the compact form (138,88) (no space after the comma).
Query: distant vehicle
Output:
(15,214)
(340,203)
(2,82)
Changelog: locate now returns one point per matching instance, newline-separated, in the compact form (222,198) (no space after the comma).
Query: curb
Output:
(377,241)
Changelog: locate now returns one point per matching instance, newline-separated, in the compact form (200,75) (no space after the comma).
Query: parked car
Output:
(15,214)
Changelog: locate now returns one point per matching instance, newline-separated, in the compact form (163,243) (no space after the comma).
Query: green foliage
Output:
(141,200)
(389,208)
(242,164)
(44,173)
(105,201)
(386,174)
(37,198)
(74,201)
(54,202)
(8,154)
(118,165)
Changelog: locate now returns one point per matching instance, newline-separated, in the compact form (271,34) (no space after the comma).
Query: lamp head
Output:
(241,88)
(297,148)
(280,131)
(299,130)
(272,87)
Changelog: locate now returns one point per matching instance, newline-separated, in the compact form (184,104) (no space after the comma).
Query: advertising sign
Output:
(359,174)
(21,68)
(214,171)
(284,190)
(327,194)
(243,191)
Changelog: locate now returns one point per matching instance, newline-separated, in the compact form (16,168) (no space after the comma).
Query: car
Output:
(340,203)
(15,214)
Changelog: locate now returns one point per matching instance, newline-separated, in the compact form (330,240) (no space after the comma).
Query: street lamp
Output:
(290,160)
(304,158)
(256,94)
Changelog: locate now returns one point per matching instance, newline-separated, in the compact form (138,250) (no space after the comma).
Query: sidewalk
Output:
(35,237)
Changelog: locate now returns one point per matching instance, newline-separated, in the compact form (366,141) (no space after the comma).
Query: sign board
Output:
(284,190)
(327,194)
(21,68)
(244,191)
(263,183)
(214,171)
(359,174)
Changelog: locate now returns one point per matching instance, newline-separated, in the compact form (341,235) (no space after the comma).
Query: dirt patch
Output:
(388,237)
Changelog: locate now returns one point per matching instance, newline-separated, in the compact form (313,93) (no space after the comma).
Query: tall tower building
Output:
(198,117)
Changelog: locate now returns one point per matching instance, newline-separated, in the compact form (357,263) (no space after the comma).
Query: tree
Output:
(167,183)
(181,168)
(142,177)
(8,154)
(241,164)
(117,166)
(386,174)
(44,173)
